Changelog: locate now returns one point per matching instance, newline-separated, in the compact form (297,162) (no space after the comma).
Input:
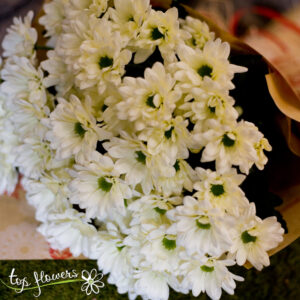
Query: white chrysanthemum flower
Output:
(128,16)
(210,102)
(27,118)
(222,190)
(160,29)
(161,251)
(209,275)
(254,237)
(151,209)
(171,140)
(198,68)
(33,157)
(69,229)
(102,58)
(93,8)
(97,187)
(133,160)
(74,130)
(58,76)
(23,80)
(199,31)
(199,227)
(20,38)
(230,145)
(68,43)
(53,19)
(110,113)
(48,195)
(113,256)
(150,100)
(173,185)
(158,289)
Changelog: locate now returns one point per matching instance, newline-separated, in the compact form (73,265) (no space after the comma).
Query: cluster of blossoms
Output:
(105,158)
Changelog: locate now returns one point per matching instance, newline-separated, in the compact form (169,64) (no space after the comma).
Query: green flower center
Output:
(202,225)
(227,141)
(104,107)
(160,210)
(217,189)
(212,109)
(168,133)
(120,248)
(205,70)
(140,157)
(177,166)
(247,238)
(104,185)
(207,269)
(79,130)
(131,19)
(156,34)
(105,62)
(150,102)
(169,244)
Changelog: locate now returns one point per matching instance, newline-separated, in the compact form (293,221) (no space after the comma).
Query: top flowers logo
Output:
(105,132)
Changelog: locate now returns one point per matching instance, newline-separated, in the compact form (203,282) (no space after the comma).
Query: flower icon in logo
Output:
(93,282)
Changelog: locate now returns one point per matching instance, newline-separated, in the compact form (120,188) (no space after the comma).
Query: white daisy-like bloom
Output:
(209,275)
(230,145)
(75,32)
(52,19)
(133,160)
(161,251)
(97,187)
(69,229)
(171,140)
(20,38)
(199,227)
(197,68)
(152,209)
(33,157)
(93,8)
(23,80)
(128,16)
(27,118)
(150,100)
(102,58)
(74,130)
(209,102)
(48,195)
(199,31)
(222,190)
(253,237)
(160,29)
(113,256)
(182,179)
(158,289)
(58,74)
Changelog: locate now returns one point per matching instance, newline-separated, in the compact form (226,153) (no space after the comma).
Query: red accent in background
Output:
(56,254)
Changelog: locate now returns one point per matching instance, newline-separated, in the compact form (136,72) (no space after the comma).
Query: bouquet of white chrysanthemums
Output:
(102,131)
